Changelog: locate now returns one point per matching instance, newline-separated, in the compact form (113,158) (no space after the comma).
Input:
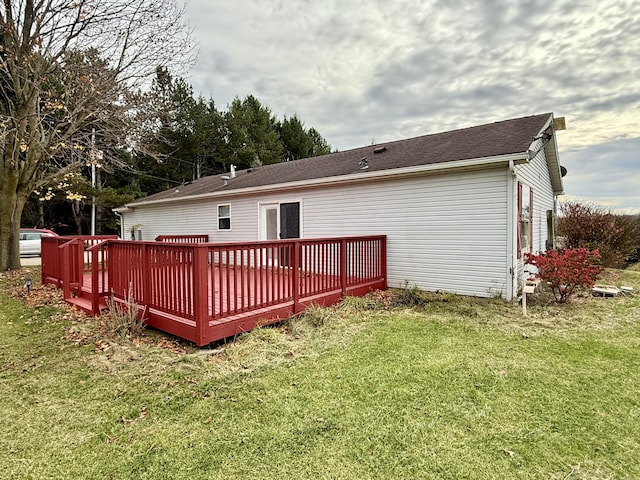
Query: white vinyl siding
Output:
(445,232)
(186,218)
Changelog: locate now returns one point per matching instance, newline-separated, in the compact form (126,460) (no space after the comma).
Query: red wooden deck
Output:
(206,292)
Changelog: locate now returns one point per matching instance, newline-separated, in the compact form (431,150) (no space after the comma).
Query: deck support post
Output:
(79,245)
(383,260)
(65,268)
(95,293)
(71,272)
(60,262)
(201,292)
(146,277)
(343,266)
(296,276)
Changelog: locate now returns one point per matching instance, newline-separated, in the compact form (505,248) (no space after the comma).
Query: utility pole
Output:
(94,156)
(93,182)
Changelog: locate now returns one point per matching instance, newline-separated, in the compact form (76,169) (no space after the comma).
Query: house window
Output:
(525,219)
(136,232)
(550,244)
(224,217)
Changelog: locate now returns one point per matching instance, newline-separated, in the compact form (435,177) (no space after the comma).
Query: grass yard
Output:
(456,388)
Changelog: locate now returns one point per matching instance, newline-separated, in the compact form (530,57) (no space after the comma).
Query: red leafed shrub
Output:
(586,225)
(566,270)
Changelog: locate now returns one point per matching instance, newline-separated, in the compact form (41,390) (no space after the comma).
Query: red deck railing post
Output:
(106,287)
(80,260)
(65,269)
(60,265)
(383,259)
(145,291)
(95,294)
(295,265)
(201,292)
(343,266)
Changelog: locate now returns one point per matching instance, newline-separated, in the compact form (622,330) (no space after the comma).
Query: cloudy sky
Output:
(378,70)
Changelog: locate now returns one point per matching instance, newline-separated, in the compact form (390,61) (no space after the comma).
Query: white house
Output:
(459,208)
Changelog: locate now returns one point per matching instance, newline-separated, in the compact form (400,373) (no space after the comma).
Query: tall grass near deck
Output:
(457,388)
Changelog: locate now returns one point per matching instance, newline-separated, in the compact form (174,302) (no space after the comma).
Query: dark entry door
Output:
(290,220)
(289,228)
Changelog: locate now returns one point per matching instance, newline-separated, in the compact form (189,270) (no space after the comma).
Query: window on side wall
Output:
(550,243)
(525,219)
(224,217)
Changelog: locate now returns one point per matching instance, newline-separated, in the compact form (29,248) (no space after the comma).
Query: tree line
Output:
(73,97)
(71,77)
(181,137)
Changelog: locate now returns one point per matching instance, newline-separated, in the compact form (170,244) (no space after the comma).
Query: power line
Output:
(137,172)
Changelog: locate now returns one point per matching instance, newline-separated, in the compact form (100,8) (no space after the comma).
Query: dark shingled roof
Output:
(493,139)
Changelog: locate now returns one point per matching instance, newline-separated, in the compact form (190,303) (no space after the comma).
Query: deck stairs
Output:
(81,298)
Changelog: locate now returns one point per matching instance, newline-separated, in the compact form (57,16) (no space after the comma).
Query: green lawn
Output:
(458,388)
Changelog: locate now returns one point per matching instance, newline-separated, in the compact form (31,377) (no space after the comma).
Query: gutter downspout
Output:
(121,223)
(511,233)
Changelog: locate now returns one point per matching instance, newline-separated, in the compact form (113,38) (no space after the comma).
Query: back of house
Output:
(459,208)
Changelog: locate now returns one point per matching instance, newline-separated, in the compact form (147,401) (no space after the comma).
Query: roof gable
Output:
(483,141)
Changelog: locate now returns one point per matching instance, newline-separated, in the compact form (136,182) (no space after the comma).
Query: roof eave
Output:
(343,179)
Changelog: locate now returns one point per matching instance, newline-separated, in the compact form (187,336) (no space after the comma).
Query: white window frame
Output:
(219,206)
(525,219)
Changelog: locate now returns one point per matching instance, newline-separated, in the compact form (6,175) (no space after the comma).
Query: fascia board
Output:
(554,170)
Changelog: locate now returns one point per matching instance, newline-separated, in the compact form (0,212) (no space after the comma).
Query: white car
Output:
(30,240)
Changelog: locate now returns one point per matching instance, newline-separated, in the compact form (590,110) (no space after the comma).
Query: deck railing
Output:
(51,260)
(207,291)
(158,275)
(68,254)
(187,288)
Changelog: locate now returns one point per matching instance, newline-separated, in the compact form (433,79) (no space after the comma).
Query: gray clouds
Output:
(374,70)
(606,173)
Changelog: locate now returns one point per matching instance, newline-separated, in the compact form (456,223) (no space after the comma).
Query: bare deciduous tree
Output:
(68,68)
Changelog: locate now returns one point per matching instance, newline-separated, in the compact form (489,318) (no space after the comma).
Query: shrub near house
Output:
(565,271)
(590,226)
